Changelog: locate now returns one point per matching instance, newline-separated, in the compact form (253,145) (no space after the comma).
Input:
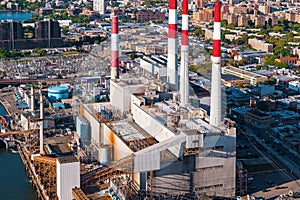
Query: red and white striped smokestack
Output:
(172,65)
(184,68)
(215,105)
(114,47)
(217,31)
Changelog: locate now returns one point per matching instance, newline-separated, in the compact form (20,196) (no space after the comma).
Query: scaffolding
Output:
(45,168)
(78,194)
(124,187)
(120,167)
(28,132)
(241,182)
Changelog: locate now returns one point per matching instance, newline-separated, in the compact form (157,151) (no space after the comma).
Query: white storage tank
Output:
(106,152)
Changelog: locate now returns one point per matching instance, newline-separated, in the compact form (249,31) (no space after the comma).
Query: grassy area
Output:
(69,52)
(202,68)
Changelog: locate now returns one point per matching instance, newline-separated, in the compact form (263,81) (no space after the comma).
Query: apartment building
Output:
(260,45)
(242,20)
(203,15)
(250,76)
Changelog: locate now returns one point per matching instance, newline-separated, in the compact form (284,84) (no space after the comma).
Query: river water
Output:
(14,183)
(16,16)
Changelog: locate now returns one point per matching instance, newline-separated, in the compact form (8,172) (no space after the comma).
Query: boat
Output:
(14,151)
(3,124)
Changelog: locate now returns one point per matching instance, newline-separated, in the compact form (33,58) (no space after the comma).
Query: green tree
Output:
(207,41)
(4,53)
(231,26)
(25,54)
(282,51)
(132,55)
(258,67)
(269,60)
(278,29)
(95,100)
(270,81)
(105,99)
(284,22)
(41,52)
(224,23)
(245,38)
(241,62)
(199,32)
(65,30)
(281,65)
(192,68)
(34,84)
(240,85)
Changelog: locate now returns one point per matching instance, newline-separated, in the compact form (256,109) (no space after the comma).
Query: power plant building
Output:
(148,133)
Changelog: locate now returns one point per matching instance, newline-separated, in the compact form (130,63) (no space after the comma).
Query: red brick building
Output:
(289,60)
(149,15)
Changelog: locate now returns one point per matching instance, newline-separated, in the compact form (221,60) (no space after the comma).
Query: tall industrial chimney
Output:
(114,47)
(184,68)
(172,65)
(215,104)
(32,99)
(41,105)
(41,123)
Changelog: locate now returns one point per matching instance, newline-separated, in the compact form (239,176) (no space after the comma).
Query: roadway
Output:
(287,175)
(22,81)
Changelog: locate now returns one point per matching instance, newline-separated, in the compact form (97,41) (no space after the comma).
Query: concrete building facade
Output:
(100,6)
(68,176)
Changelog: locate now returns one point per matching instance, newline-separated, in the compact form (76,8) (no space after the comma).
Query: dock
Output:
(6,106)
(7,100)
(31,172)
